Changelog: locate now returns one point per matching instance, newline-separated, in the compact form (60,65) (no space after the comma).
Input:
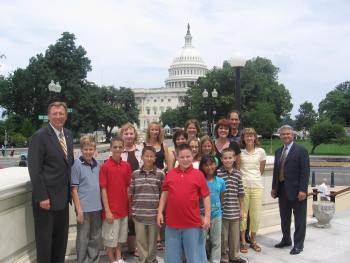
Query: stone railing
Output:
(16,217)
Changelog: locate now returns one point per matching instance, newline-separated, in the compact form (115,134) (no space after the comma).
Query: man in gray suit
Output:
(50,157)
(290,183)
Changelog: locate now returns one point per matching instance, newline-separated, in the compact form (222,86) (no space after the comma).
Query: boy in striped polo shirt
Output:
(144,192)
(232,208)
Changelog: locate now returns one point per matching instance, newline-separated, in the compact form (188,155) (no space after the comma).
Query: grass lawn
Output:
(323,149)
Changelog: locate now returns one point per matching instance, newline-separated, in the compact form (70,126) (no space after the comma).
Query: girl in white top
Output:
(253,160)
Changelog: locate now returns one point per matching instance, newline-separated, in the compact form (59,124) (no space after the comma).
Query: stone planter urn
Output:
(324,212)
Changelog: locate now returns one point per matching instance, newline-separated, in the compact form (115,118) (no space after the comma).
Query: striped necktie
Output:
(63,144)
(282,159)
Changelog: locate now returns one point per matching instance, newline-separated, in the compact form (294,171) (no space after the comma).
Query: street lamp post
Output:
(213,124)
(210,109)
(54,87)
(237,63)
(5,142)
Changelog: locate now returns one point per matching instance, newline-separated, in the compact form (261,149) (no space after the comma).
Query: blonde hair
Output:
(87,140)
(160,138)
(249,131)
(204,139)
(128,126)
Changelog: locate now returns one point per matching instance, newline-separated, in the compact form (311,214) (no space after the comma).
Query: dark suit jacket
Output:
(48,168)
(296,171)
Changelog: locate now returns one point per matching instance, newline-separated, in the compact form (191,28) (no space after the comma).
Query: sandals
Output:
(159,245)
(256,247)
(243,248)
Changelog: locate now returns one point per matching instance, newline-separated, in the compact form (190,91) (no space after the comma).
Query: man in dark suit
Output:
(50,157)
(290,183)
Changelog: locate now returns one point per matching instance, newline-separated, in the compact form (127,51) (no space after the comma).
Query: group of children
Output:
(191,203)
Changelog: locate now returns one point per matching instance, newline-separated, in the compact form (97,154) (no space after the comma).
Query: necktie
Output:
(282,159)
(63,144)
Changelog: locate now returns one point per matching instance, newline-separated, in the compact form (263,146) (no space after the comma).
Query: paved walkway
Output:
(321,245)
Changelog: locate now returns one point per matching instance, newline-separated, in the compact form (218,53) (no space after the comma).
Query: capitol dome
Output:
(187,65)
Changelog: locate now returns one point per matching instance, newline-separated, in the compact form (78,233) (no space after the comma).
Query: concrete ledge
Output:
(16,215)
(17,236)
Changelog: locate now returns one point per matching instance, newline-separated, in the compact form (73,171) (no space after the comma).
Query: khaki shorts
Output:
(115,233)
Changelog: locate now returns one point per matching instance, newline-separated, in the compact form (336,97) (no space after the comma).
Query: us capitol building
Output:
(186,68)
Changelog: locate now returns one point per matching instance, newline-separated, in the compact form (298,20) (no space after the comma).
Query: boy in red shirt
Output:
(183,187)
(115,176)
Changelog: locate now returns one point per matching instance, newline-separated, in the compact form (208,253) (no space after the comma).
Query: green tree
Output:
(17,139)
(259,85)
(336,105)
(325,133)
(25,92)
(2,131)
(307,116)
(287,120)
(17,128)
(174,117)
(117,106)
(262,117)
(86,113)
(16,124)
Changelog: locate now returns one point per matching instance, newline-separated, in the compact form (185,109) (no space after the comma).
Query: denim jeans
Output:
(184,241)
(215,239)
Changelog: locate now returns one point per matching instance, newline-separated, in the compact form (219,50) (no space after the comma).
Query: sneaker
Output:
(121,261)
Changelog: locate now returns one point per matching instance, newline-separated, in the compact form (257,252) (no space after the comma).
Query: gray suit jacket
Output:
(49,170)
(296,171)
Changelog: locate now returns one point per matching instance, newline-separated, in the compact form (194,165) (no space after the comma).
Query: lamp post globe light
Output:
(205,94)
(210,108)
(54,87)
(237,62)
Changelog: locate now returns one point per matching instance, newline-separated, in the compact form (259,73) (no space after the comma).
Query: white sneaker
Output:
(121,261)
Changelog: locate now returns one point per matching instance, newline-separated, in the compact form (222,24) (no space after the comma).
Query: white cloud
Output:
(132,43)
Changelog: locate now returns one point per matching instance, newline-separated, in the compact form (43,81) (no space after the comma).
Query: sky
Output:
(132,43)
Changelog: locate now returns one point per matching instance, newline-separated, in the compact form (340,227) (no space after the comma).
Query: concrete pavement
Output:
(321,245)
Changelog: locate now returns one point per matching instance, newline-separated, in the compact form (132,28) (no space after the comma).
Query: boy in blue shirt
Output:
(87,201)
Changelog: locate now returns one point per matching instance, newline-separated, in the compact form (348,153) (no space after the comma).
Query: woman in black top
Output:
(222,141)
(155,138)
